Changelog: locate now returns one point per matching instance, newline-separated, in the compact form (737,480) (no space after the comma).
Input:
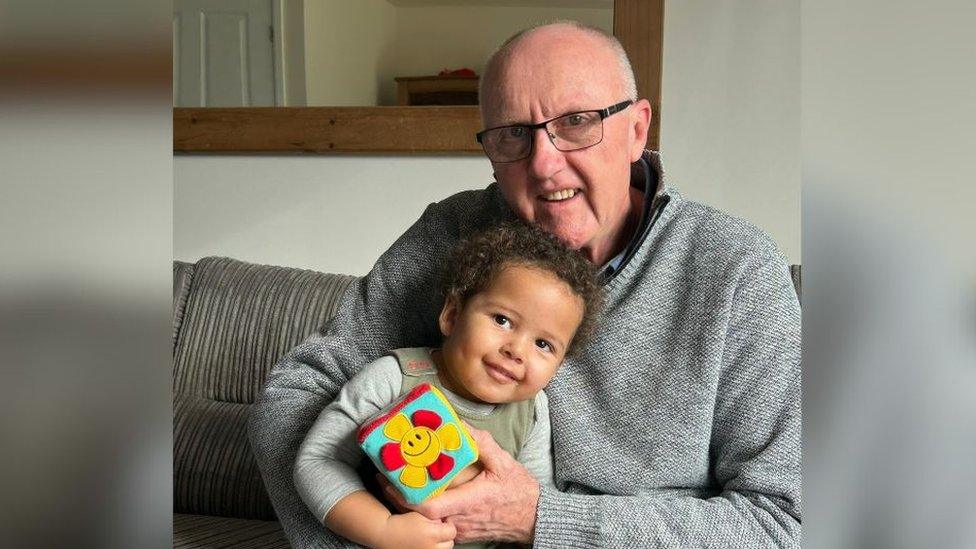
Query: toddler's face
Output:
(505,343)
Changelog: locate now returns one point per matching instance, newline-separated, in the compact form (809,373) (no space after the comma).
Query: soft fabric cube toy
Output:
(419,443)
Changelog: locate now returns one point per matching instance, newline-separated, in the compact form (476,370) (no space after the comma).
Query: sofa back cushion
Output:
(240,318)
(237,320)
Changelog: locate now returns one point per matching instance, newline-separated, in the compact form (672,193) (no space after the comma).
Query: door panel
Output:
(223,53)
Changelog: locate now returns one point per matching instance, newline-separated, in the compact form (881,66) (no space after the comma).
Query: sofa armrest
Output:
(182,277)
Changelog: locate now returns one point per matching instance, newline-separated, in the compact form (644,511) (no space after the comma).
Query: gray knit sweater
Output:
(678,426)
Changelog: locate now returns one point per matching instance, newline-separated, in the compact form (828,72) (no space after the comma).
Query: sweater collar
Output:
(645,175)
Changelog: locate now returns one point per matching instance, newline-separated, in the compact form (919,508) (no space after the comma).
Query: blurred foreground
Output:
(889,286)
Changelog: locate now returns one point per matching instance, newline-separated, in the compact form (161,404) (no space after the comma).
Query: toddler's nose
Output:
(512,351)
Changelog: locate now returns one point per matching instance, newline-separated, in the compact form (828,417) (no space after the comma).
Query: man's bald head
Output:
(490,83)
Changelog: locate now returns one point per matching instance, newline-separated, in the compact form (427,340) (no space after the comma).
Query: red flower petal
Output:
(391,457)
(426,418)
(441,467)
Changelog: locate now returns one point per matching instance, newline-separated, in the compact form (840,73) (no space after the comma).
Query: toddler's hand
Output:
(415,531)
(466,474)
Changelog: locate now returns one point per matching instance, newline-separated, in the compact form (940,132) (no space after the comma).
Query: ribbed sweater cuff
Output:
(566,520)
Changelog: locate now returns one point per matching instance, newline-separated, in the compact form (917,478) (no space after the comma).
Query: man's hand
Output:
(415,531)
(498,504)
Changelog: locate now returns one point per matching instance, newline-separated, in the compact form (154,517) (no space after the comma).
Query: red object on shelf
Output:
(458,72)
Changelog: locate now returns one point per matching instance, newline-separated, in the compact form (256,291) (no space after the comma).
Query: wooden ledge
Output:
(327,129)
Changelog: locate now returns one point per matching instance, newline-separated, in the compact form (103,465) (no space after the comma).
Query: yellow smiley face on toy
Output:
(420,447)
(419,441)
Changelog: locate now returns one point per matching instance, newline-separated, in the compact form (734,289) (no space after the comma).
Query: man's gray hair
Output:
(488,82)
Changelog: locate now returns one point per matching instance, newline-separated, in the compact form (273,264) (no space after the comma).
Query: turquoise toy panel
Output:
(419,443)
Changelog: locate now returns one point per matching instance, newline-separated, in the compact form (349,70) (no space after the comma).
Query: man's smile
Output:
(559,196)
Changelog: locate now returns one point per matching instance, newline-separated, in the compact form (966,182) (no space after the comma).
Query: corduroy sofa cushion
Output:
(240,318)
(214,472)
(199,531)
(235,321)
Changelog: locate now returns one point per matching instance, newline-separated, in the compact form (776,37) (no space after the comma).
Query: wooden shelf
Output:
(327,129)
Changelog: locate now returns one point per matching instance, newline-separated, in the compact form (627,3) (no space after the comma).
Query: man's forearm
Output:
(277,425)
(732,520)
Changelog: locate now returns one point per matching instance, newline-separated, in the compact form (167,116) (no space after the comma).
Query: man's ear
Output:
(641,125)
(449,314)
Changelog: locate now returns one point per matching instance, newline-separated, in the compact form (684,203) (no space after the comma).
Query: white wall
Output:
(328,213)
(730,138)
(730,129)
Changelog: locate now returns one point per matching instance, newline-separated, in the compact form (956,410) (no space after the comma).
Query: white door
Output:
(223,53)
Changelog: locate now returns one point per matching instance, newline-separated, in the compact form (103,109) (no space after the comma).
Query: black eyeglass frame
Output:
(603,113)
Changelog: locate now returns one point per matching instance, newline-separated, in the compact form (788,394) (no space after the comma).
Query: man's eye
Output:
(575,121)
(515,132)
(543,344)
(501,320)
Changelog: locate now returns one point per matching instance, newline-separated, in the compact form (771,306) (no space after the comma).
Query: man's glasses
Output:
(567,132)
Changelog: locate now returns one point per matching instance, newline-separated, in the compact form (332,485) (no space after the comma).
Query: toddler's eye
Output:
(544,345)
(501,320)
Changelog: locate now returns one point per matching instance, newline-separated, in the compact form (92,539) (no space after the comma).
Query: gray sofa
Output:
(231,322)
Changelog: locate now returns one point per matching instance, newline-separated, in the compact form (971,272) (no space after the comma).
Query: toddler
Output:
(517,302)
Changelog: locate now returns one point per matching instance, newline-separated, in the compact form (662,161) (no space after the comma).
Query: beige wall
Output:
(293,45)
(346,43)
(354,50)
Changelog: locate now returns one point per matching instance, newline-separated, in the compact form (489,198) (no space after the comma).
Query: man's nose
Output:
(544,158)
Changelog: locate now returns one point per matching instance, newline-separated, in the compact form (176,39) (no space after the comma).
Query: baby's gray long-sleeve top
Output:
(325,469)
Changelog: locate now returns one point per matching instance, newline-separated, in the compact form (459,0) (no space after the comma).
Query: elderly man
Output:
(679,426)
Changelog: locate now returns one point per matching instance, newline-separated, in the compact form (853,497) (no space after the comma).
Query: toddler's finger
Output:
(446,531)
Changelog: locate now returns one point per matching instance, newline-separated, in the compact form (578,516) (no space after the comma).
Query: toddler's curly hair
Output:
(475,261)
